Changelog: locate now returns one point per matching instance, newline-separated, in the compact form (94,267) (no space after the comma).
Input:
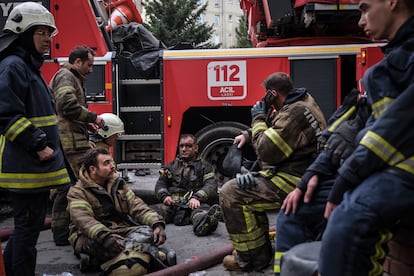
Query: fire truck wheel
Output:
(214,141)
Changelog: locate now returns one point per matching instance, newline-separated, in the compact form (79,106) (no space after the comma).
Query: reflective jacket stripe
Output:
(33,180)
(81,204)
(44,121)
(279,142)
(387,152)
(344,117)
(16,128)
(259,126)
(382,148)
(208,176)
(285,182)
(380,106)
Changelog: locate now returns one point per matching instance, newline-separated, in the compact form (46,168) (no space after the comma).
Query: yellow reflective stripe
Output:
(249,245)
(147,218)
(253,235)
(279,142)
(95,229)
(2,145)
(64,89)
(16,128)
(344,117)
(208,176)
(83,204)
(130,195)
(259,126)
(379,253)
(250,210)
(278,257)
(44,121)
(407,165)
(202,193)
(382,148)
(33,180)
(380,106)
(285,182)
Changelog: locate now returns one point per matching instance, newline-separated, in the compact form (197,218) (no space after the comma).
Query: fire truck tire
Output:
(214,141)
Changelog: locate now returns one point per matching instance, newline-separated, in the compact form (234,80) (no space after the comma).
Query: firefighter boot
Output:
(233,262)
(209,222)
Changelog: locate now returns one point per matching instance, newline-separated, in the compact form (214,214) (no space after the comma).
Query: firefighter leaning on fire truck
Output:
(377,178)
(187,189)
(74,121)
(285,148)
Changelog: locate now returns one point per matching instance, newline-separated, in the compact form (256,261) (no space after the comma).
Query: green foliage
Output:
(175,21)
(243,40)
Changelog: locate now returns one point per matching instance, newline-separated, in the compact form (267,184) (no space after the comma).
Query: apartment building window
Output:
(216,3)
(230,1)
(201,2)
(230,17)
(216,20)
(202,18)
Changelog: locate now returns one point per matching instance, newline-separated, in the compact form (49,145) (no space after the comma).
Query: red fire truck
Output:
(209,92)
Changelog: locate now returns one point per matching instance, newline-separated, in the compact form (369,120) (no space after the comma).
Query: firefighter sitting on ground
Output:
(285,146)
(107,136)
(187,188)
(109,222)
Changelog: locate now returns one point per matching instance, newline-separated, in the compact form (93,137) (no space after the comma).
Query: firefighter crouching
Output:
(110,226)
(187,188)
(285,145)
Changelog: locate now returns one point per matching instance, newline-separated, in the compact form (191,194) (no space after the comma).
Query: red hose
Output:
(196,264)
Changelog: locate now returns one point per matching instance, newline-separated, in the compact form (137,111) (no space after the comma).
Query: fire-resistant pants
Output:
(29,212)
(244,212)
(359,228)
(305,225)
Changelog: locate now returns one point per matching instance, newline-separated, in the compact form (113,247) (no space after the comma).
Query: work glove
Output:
(259,110)
(246,181)
(341,143)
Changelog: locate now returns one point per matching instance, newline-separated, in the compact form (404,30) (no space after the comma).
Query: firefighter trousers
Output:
(29,212)
(359,228)
(305,225)
(244,212)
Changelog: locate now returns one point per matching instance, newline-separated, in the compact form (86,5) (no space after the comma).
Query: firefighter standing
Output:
(376,180)
(74,121)
(32,161)
(104,211)
(186,188)
(284,148)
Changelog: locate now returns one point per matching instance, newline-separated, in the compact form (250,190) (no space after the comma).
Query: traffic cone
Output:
(2,269)
(124,11)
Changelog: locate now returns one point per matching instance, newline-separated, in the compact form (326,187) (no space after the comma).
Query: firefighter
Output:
(74,121)
(105,214)
(285,147)
(31,158)
(108,135)
(302,217)
(187,190)
(375,183)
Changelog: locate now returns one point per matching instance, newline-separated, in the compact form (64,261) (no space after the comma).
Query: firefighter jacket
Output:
(180,177)
(288,144)
(386,142)
(27,124)
(97,212)
(73,115)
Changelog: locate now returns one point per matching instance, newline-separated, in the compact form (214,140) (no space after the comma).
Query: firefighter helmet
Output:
(113,125)
(28,14)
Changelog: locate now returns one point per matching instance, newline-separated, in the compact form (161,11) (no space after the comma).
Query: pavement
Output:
(54,260)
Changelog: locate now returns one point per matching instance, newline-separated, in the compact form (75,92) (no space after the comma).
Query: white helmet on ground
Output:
(113,125)
(28,14)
